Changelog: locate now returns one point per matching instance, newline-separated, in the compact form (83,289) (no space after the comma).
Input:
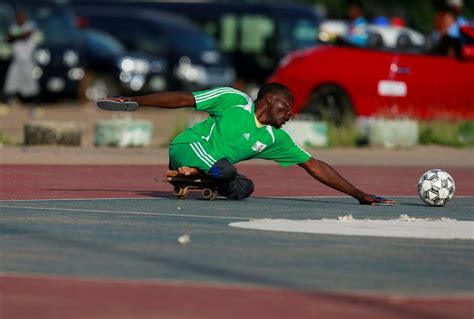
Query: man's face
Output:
(279,109)
(354,12)
(21,18)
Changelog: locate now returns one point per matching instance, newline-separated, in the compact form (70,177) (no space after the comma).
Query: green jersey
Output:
(233,132)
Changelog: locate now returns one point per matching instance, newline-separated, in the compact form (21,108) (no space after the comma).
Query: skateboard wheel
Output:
(180,192)
(208,194)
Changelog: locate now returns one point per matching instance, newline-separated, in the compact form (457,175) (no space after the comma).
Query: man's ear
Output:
(269,99)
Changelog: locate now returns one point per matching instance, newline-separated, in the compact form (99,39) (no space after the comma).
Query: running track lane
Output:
(129,181)
(50,297)
(55,297)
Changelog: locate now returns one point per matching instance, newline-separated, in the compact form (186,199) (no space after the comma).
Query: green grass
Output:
(436,132)
(4,139)
(345,135)
(449,133)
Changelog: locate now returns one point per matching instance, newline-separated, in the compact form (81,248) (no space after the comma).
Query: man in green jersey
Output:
(238,129)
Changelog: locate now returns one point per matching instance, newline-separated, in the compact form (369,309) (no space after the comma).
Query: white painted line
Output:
(163,198)
(78,199)
(77,210)
(404,227)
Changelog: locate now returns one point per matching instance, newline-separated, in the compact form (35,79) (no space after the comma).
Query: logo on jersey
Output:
(258,146)
(246,136)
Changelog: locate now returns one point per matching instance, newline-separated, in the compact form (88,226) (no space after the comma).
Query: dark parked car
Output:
(255,36)
(6,18)
(111,70)
(193,59)
(59,63)
(73,62)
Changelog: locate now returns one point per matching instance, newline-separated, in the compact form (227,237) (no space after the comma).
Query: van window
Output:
(228,35)
(256,30)
(135,35)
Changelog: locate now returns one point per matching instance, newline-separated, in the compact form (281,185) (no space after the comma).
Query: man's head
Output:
(273,104)
(21,17)
(355,10)
(455,6)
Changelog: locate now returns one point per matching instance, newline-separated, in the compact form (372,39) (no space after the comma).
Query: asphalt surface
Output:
(137,239)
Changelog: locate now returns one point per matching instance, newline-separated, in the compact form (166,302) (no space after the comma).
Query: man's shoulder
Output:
(218,91)
(280,132)
(282,136)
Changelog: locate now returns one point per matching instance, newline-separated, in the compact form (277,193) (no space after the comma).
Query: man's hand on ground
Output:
(376,201)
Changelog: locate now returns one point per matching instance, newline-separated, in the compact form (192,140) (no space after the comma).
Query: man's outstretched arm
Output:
(328,176)
(169,100)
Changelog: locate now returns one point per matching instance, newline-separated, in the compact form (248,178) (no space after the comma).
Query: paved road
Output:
(137,239)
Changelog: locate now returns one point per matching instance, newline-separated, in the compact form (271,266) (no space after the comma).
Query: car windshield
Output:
(192,41)
(103,42)
(57,26)
(297,33)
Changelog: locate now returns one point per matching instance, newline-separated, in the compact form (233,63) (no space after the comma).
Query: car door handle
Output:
(403,70)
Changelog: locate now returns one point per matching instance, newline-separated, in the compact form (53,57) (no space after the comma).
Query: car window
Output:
(256,29)
(103,42)
(190,41)
(247,33)
(57,26)
(228,33)
(136,35)
(296,33)
(6,19)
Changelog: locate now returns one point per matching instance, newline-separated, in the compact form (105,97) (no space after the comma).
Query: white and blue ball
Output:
(436,187)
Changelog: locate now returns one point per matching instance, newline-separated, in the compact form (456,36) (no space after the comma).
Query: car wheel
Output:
(330,103)
(97,86)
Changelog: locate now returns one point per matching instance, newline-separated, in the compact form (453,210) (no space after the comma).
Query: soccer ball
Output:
(436,187)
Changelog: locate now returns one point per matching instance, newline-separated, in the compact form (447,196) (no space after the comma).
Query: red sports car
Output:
(331,82)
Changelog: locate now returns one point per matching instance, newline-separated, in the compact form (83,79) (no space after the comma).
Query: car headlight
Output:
(126,64)
(70,58)
(142,66)
(76,74)
(42,56)
(188,71)
(37,72)
(157,66)
(137,82)
(129,64)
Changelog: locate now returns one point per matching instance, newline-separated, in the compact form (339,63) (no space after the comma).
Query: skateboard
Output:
(112,105)
(183,184)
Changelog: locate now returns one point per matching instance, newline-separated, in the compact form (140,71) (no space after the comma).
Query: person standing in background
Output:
(455,7)
(356,32)
(19,79)
(448,21)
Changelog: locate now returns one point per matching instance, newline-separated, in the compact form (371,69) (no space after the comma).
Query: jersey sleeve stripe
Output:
(205,160)
(216,94)
(270,131)
(207,155)
(203,94)
(213,94)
